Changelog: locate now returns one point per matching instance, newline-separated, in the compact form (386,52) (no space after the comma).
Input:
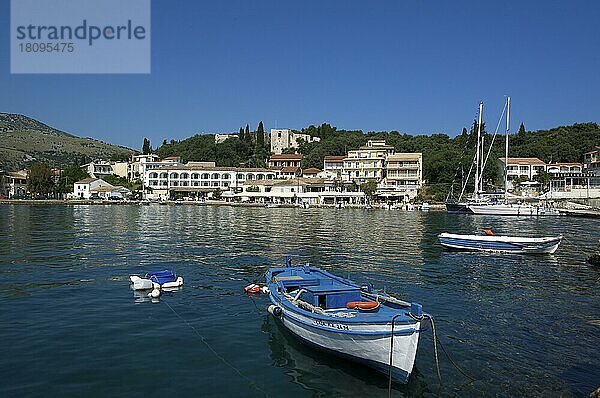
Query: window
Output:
(215,176)
(174,175)
(225,176)
(205,176)
(184,176)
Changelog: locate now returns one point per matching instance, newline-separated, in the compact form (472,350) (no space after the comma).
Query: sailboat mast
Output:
(506,148)
(477,156)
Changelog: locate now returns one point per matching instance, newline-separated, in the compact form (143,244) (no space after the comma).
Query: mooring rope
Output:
(215,353)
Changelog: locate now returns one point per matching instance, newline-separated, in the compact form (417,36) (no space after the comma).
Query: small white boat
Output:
(160,279)
(493,243)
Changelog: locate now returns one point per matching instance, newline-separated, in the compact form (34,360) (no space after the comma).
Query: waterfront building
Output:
(311,172)
(141,164)
(403,177)
(555,168)
(367,162)
(16,184)
(285,165)
(282,139)
(591,161)
(523,168)
(198,180)
(311,191)
(334,165)
(88,188)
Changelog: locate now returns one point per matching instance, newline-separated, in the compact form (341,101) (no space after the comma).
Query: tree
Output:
(39,180)
(260,135)
(521,129)
(217,193)
(146,148)
(241,134)
(70,176)
(369,188)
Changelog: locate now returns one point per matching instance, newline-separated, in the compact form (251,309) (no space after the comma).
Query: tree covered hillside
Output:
(445,159)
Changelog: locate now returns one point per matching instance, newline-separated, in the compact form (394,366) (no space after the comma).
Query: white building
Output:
(194,181)
(403,176)
(88,188)
(524,168)
(98,168)
(219,138)
(140,164)
(16,184)
(334,165)
(282,139)
(367,162)
(555,168)
(591,161)
(311,191)
(286,165)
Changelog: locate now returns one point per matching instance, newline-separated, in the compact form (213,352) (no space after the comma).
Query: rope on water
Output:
(437,362)
(462,371)
(215,353)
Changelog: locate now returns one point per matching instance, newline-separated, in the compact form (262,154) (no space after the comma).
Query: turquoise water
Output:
(522,325)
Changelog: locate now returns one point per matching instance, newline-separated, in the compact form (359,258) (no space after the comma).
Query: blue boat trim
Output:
(397,332)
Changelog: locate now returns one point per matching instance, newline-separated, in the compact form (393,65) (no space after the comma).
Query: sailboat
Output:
(463,207)
(506,208)
(485,207)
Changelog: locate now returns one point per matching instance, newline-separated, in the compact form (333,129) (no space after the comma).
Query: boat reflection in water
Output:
(319,371)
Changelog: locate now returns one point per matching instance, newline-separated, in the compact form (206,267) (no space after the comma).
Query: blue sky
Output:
(415,67)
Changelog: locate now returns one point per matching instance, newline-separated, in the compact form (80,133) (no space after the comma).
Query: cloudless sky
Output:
(418,67)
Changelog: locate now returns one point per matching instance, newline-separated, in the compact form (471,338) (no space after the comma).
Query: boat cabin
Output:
(317,289)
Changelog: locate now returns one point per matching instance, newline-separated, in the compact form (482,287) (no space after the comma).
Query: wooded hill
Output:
(445,159)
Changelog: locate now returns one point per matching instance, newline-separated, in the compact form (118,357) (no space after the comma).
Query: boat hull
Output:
(547,245)
(461,208)
(368,344)
(511,210)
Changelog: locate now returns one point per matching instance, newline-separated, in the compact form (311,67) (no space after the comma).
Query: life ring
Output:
(363,305)
(252,288)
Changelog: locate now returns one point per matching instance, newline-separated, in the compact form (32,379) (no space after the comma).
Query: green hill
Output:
(24,140)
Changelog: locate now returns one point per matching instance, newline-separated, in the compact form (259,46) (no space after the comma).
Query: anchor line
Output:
(215,353)
(436,338)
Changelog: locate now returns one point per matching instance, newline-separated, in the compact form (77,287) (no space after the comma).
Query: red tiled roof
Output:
(523,161)
(289,169)
(287,156)
(311,170)
(334,158)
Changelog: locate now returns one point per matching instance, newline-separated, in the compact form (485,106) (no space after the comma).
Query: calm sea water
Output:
(71,326)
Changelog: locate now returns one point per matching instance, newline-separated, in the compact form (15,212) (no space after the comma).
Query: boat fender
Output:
(363,305)
(178,282)
(252,288)
(154,293)
(274,310)
(140,283)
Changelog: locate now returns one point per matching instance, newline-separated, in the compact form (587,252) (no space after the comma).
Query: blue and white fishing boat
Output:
(493,243)
(346,319)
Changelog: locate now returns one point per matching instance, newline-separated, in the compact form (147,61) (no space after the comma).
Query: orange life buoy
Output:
(363,305)
(253,288)
(488,232)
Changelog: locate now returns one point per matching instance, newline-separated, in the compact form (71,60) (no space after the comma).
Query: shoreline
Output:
(79,202)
